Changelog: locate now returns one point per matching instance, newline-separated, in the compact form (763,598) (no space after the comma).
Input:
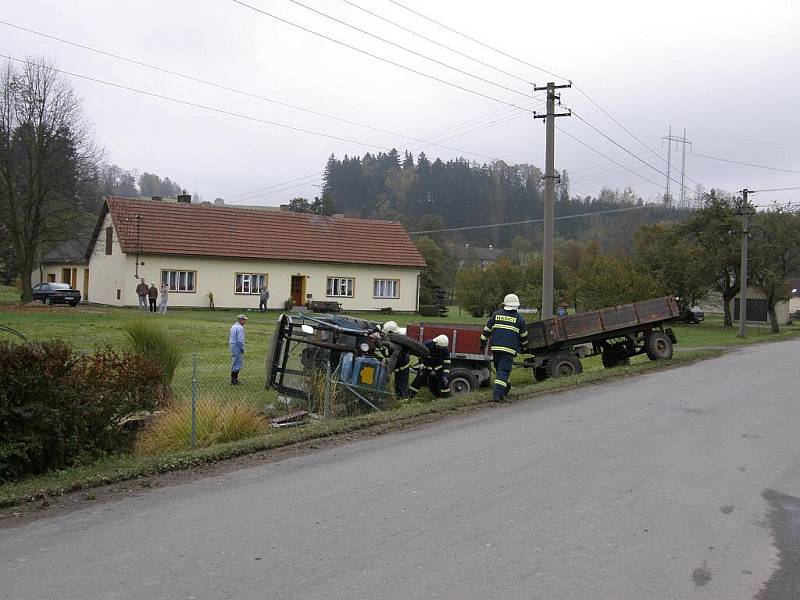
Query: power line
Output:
(782,189)
(386,60)
(315,175)
(588,214)
(414,52)
(231,89)
(432,41)
(746,164)
(476,41)
(203,106)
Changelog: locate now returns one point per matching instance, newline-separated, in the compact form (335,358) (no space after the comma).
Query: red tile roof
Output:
(226,231)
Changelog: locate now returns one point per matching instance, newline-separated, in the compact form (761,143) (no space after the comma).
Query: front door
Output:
(86,285)
(298,289)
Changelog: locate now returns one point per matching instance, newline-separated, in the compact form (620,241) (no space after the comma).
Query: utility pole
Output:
(678,140)
(744,211)
(550,177)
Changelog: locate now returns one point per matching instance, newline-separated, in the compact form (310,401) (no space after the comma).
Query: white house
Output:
(232,253)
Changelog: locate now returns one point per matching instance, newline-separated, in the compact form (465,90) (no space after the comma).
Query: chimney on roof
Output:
(219,202)
(157,198)
(184,198)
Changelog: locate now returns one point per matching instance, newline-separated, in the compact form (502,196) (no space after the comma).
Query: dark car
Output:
(693,315)
(56,293)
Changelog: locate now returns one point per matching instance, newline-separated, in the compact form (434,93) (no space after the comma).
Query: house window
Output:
(249,283)
(109,240)
(386,288)
(179,281)
(340,286)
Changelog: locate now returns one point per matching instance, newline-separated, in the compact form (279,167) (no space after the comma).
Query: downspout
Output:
(419,276)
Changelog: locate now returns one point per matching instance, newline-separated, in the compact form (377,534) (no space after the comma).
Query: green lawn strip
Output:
(126,467)
(8,294)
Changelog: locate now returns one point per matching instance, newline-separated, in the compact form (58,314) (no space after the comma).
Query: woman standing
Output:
(162,305)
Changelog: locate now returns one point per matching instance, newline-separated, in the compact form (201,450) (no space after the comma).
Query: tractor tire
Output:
(462,381)
(539,373)
(564,365)
(658,346)
(615,355)
(412,345)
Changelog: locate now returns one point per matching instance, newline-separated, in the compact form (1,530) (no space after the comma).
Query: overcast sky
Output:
(726,71)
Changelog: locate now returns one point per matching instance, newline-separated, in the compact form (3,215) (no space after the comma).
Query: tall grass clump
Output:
(171,430)
(149,340)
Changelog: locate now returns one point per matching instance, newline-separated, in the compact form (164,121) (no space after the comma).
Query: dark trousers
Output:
(503,361)
(435,380)
(152,304)
(262,306)
(401,383)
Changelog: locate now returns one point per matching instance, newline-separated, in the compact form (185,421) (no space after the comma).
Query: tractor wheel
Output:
(563,365)
(412,345)
(658,346)
(462,382)
(615,355)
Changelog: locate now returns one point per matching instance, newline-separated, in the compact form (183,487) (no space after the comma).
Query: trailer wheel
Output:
(412,345)
(615,355)
(658,346)
(564,365)
(462,382)
(539,373)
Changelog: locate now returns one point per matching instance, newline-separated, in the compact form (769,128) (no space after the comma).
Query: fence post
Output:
(194,399)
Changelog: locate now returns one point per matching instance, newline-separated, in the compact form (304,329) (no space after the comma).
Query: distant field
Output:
(205,332)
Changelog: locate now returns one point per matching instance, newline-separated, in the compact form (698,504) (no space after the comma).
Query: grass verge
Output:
(128,467)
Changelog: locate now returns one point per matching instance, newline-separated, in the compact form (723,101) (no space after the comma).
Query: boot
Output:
(235,378)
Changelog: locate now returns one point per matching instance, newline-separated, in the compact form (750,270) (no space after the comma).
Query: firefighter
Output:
(401,366)
(434,370)
(509,335)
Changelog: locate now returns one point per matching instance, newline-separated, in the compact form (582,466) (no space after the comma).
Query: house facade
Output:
(233,253)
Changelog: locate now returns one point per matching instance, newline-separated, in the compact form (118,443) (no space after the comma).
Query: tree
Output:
(774,255)
(710,232)
(320,206)
(605,280)
(48,163)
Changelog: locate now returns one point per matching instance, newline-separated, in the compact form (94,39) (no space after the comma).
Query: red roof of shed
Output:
(232,232)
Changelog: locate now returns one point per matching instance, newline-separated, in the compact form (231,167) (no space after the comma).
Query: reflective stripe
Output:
(503,349)
(524,334)
(509,327)
(413,389)
(447,361)
(404,367)
(500,382)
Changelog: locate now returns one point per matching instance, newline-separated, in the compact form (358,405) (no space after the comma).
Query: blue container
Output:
(367,372)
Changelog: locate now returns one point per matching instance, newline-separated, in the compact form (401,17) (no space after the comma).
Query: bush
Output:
(216,423)
(428,310)
(148,339)
(59,407)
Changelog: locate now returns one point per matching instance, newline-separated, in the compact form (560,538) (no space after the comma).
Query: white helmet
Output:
(390,327)
(511,302)
(441,341)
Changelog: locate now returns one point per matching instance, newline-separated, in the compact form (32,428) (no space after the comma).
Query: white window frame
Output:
(246,288)
(340,287)
(386,288)
(177,279)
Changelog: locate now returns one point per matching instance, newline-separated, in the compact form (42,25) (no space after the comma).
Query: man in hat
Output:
(434,370)
(236,343)
(509,334)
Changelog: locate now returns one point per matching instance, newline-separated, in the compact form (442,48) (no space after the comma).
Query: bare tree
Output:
(48,162)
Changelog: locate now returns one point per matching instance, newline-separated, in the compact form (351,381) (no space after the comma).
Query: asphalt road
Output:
(678,484)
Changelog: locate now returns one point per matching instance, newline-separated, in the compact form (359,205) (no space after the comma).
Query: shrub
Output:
(148,339)
(59,407)
(428,310)
(216,423)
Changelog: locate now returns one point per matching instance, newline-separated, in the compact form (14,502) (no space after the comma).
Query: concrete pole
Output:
(743,267)
(549,203)
(683,171)
(667,199)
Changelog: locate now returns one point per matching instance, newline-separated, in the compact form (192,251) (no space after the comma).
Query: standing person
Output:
(434,370)
(262,300)
(152,295)
(141,291)
(402,365)
(509,335)
(236,343)
(162,305)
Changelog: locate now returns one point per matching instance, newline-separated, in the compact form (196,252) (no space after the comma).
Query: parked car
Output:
(693,315)
(56,293)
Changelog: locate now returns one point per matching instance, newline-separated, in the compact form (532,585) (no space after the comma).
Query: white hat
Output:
(240,317)
(511,302)
(441,341)
(390,326)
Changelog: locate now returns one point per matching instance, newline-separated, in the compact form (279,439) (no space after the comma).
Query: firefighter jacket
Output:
(438,359)
(508,331)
